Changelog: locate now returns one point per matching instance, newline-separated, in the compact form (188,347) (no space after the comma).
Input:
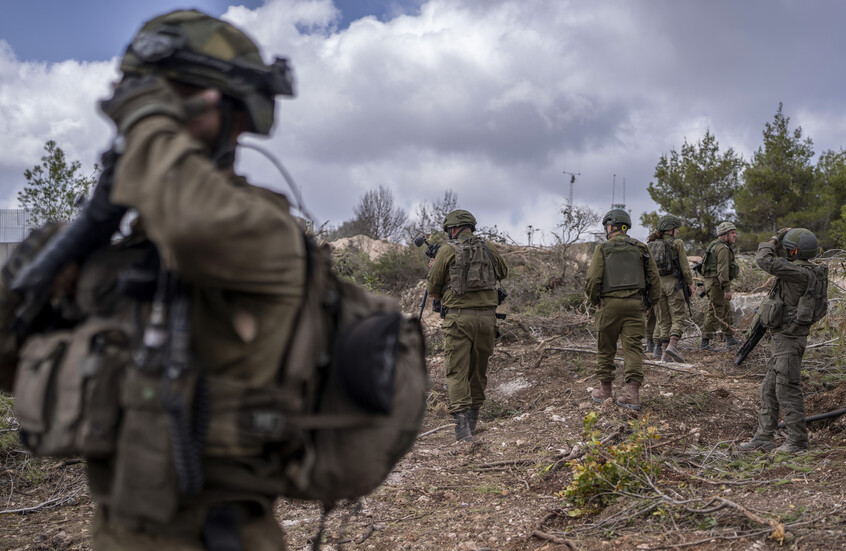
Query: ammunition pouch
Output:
(771,312)
(66,398)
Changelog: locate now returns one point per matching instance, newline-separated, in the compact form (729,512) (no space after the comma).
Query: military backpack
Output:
(474,268)
(665,258)
(813,304)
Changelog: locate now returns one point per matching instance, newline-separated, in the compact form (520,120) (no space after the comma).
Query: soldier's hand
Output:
(780,234)
(137,97)
(728,295)
(690,289)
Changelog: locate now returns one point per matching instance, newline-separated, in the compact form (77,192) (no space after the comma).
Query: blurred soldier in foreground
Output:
(621,282)
(464,277)
(673,308)
(719,269)
(800,300)
(190,314)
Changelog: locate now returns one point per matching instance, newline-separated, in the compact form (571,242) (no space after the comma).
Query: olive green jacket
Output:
(237,244)
(684,264)
(725,256)
(438,281)
(792,281)
(593,278)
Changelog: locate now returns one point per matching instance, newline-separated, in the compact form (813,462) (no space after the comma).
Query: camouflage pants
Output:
(782,390)
(468,343)
(719,315)
(620,319)
(260,533)
(671,310)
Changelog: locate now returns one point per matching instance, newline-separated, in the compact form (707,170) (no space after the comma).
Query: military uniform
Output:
(242,256)
(782,386)
(718,275)
(469,327)
(672,309)
(620,313)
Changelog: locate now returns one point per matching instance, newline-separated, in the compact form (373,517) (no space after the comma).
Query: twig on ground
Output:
(554,539)
(46,504)
(427,433)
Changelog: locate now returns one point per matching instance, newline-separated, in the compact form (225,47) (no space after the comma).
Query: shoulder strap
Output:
(493,262)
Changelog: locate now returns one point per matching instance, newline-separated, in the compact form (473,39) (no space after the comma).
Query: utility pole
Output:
(614,204)
(572,181)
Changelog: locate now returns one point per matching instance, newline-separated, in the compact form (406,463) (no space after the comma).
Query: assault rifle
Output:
(753,337)
(431,251)
(681,284)
(94,227)
(755,334)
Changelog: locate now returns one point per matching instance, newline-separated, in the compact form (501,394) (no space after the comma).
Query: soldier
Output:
(463,277)
(652,335)
(719,269)
(674,269)
(789,324)
(621,282)
(230,289)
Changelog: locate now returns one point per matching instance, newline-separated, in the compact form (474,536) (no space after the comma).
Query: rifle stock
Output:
(754,337)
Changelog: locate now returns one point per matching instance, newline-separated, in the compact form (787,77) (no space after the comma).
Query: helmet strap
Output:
(223,150)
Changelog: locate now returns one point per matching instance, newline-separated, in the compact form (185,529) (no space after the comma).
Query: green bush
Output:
(607,469)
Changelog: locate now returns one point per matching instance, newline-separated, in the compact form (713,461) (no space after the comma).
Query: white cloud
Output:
(492,99)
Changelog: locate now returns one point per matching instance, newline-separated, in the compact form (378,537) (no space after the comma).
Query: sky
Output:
(492,99)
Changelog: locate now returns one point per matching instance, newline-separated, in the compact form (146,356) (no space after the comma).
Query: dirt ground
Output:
(498,492)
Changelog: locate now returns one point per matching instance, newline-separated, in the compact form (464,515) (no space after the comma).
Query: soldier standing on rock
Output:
(621,282)
(464,276)
(719,269)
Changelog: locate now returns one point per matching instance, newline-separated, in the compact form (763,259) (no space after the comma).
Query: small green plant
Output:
(606,469)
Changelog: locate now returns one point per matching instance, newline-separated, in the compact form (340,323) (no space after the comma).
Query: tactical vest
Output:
(346,404)
(664,255)
(473,269)
(709,263)
(624,267)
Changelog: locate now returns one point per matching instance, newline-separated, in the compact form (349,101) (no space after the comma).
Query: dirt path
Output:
(498,492)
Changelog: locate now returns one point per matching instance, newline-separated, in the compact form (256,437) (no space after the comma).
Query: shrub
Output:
(605,470)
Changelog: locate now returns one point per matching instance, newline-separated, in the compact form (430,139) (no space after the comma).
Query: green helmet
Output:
(459,217)
(725,227)
(800,243)
(617,217)
(669,222)
(191,47)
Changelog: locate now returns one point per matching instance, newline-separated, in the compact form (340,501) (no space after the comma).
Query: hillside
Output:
(688,487)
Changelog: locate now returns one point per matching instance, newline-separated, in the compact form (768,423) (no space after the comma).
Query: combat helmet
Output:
(800,243)
(459,217)
(725,227)
(617,217)
(669,222)
(191,47)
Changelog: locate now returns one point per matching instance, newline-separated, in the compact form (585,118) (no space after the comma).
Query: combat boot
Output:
(650,346)
(462,426)
(631,400)
(705,344)
(732,342)
(757,444)
(659,350)
(473,420)
(602,393)
(788,447)
(671,353)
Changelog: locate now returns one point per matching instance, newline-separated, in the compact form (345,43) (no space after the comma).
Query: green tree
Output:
(778,182)
(53,187)
(838,230)
(696,185)
(823,208)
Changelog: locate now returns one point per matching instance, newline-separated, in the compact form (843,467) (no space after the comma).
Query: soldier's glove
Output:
(780,234)
(137,97)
